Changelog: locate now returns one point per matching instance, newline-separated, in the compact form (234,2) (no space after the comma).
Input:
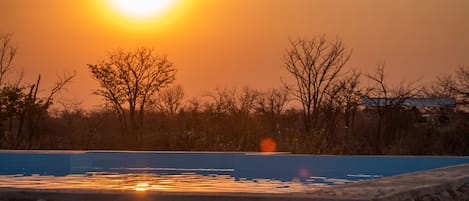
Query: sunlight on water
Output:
(142,187)
(185,182)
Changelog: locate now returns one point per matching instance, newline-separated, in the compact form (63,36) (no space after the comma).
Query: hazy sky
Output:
(225,43)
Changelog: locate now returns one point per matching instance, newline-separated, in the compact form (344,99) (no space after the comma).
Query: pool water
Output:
(184,182)
(199,171)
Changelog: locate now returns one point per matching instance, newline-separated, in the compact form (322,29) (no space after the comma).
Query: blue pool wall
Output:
(285,167)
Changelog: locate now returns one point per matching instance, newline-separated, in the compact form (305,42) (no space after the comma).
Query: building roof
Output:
(408,102)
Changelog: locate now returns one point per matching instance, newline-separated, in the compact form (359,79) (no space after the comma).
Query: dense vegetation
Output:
(323,117)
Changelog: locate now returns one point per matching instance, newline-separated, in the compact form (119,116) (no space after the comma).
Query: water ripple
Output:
(184,182)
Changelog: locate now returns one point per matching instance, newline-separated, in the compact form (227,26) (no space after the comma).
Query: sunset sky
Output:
(225,43)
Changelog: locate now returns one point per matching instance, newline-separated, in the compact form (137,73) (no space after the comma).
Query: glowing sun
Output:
(141,9)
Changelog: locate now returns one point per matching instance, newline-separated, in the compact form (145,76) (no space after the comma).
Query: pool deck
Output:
(448,183)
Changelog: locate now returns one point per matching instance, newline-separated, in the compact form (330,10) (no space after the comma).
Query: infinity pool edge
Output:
(440,182)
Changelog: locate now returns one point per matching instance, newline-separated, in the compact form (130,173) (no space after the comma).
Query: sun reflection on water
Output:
(142,187)
(184,182)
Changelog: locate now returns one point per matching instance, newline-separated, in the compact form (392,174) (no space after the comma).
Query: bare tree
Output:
(33,109)
(232,101)
(381,91)
(352,95)
(462,87)
(170,100)
(271,103)
(454,86)
(7,54)
(443,86)
(20,105)
(339,109)
(233,107)
(218,101)
(314,64)
(345,96)
(11,96)
(385,99)
(132,78)
(242,103)
(380,88)
(384,92)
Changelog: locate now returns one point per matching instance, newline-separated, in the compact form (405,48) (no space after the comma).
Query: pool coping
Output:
(399,187)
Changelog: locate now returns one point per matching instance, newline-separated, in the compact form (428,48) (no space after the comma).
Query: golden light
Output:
(142,187)
(140,16)
(141,9)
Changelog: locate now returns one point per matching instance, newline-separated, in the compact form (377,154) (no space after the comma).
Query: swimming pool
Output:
(200,171)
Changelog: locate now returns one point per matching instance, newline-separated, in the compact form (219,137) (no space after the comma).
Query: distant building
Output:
(409,102)
(429,110)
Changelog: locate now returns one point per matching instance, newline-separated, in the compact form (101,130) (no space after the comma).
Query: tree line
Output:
(317,109)
(21,110)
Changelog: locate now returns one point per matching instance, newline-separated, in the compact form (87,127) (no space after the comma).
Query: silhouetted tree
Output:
(443,86)
(451,85)
(388,99)
(242,102)
(218,101)
(314,64)
(340,107)
(169,100)
(11,105)
(7,54)
(351,95)
(272,103)
(132,78)
(241,106)
(11,93)
(462,86)
(34,108)
(20,105)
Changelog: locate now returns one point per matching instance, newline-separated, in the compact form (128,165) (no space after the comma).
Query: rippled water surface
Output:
(200,171)
(185,182)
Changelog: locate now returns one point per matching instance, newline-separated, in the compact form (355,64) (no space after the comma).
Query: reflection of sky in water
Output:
(185,182)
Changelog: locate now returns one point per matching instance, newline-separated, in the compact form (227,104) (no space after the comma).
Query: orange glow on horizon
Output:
(217,43)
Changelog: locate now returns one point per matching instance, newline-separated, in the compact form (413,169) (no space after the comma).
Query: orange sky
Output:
(228,43)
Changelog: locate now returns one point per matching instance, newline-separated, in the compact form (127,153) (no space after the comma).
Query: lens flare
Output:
(303,173)
(268,145)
